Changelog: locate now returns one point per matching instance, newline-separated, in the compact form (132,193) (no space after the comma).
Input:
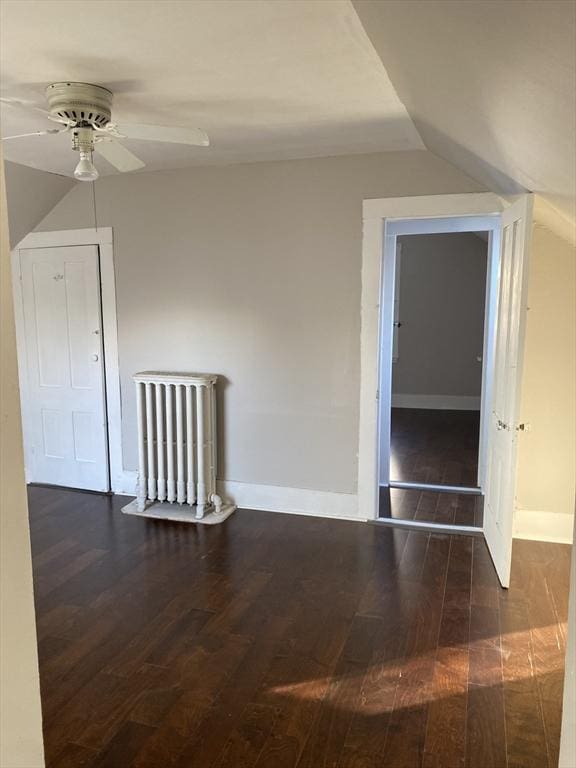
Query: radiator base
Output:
(180,513)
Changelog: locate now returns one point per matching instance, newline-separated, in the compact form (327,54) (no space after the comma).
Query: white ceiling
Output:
(266,79)
(491,86)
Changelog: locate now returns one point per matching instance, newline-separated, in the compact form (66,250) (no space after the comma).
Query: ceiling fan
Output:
(85,111)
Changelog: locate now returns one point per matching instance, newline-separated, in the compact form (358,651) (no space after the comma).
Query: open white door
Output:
(508,351)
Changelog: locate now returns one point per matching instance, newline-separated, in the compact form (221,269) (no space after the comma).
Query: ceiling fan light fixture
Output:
(86,170)
(84,111)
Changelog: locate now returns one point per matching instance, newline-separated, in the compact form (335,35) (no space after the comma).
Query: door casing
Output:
(103,238)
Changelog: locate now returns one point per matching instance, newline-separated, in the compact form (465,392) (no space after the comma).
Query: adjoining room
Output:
(442,323)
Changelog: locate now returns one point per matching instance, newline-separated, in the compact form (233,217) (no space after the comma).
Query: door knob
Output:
(95,358)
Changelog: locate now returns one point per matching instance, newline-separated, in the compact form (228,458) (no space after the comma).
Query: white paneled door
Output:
(65,413)
(500,488)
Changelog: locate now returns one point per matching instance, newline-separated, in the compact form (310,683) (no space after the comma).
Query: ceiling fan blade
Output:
(192,136)
(11,101)
(22,104)
(34,133)
(118,156)
(28,105)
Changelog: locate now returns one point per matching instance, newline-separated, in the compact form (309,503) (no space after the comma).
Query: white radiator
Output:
(177,440)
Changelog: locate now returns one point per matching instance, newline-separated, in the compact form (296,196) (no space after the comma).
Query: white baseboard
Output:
(126,484)
(437,402)
(273,498)
(543,526)
(297,501)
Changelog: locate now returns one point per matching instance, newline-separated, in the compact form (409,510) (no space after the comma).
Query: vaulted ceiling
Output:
(489,86)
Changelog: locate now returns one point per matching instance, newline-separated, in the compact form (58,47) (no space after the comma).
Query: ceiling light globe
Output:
(86,170)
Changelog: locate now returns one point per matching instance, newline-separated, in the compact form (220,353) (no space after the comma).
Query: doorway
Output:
(442,315)
(65,311)
(509,222)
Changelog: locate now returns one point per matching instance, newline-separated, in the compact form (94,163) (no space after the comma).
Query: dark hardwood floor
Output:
(431,507)
(274,641)
(433,446)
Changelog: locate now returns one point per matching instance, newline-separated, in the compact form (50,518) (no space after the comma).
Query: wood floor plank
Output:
(372,708)
(166,743)
(298,686)
(328,733)
(406,728)
(73,756)
(247,741)
(435,446)
(445,742)
(525,729)
(229,705)
(124,746)
(485,727)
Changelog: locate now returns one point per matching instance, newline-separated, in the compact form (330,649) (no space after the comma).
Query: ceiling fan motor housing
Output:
(85,104)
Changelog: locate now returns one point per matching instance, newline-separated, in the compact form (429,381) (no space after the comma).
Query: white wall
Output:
(31,194)
(253,271)
(547,452)
(21,743)
(442,296)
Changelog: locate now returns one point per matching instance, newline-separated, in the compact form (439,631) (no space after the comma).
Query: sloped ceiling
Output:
(490,86)
(31,195)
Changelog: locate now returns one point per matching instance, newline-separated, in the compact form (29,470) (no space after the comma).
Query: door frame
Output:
(376,214)
(103,239)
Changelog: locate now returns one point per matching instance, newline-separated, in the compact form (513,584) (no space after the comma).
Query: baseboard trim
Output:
(543,525)
(296,501)
(437,402)
(125,484)
(273,498)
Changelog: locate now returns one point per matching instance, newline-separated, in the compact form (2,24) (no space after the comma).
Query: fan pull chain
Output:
(94,205)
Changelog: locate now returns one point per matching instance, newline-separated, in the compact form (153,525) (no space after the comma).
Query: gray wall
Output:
(442,295)
(253,271)
(31,194)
